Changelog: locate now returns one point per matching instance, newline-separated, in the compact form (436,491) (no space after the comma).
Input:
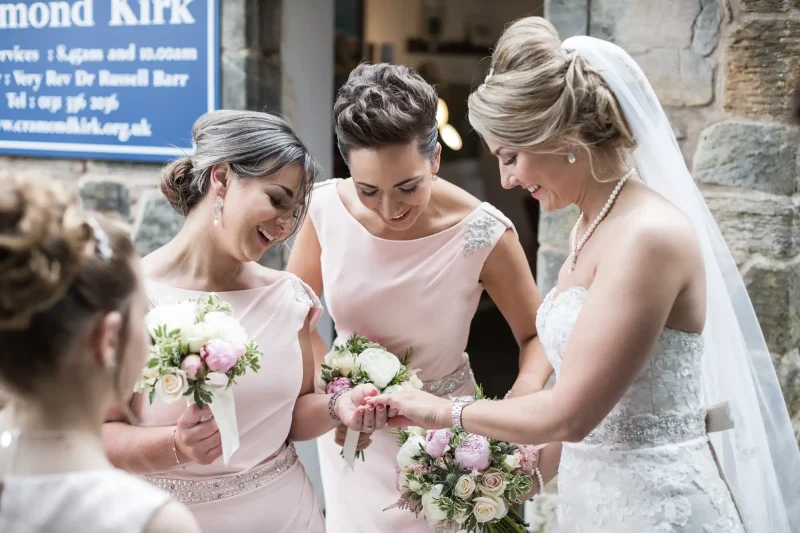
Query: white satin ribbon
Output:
(349,450)
(223,410)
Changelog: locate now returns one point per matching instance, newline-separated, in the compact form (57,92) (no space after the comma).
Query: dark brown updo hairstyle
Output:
(539,94)
(59,268)
(253,143)
(385,105)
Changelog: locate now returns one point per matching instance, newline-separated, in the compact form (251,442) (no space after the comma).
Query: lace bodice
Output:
(647,467)
(663,404)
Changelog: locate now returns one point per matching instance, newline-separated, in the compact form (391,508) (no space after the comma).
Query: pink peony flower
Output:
(338,384)
(192,364)
(221,356)
(438,442)
(473,453)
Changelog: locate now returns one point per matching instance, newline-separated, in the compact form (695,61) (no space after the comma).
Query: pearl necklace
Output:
(578,246)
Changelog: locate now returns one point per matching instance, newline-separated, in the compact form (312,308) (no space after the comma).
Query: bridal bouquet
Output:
(464,482)
(359,361)
(198,351)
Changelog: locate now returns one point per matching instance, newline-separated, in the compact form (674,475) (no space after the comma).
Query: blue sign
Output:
(106,79)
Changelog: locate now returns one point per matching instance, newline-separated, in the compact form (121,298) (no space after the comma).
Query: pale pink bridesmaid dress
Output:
(264,488)
(422,292)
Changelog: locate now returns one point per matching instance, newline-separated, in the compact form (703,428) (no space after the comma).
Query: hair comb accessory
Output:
(101,237)
(486,80)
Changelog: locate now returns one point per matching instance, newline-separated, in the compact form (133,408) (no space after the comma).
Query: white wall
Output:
(307,100)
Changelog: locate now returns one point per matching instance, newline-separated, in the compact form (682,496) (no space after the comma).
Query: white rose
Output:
(174,316)
(502,508)
(198,334)
(416,382)
(511,462)
(393,388)
(485,509)
(433,513)
(172,386)
(465,487)
(407,452)
(228,328)
(416,430)
(380,365)
(343,361)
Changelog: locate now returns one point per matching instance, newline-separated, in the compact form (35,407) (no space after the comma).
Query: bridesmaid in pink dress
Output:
(404,257)
(242,192)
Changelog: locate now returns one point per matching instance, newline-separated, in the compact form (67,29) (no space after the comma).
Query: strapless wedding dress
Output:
(647,468)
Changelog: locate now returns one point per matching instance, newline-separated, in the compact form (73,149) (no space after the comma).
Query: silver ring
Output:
(368,428)
(206,418)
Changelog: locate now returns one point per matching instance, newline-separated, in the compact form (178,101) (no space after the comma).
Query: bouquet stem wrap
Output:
(350,445)
(224,410)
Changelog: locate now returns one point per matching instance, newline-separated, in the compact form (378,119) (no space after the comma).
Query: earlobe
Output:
(105,340)
(220,174)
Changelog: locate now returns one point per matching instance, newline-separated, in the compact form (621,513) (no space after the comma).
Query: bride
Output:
(650,322)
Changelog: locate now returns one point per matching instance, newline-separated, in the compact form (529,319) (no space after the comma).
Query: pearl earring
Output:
(571,156)
(217,209)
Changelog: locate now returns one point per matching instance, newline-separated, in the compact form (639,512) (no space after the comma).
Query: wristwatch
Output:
(459,403)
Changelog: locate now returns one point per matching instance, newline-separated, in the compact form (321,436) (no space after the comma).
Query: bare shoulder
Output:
(174,517)
(455,201)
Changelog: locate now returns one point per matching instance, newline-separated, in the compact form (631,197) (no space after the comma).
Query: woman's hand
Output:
(415,408)
(198,441)
(355,413)
(364,439)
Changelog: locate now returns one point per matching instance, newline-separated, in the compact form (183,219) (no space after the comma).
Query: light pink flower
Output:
(338,384)
(529,458)
(473,453)
(438,442)
(221,356)
(192,364)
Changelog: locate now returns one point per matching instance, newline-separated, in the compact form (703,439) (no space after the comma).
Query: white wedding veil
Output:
(759,457)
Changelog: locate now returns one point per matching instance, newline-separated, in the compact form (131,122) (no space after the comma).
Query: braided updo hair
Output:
(59,268)
(385,105)
(539,93)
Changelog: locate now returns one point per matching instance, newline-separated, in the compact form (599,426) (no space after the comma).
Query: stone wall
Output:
(725,71)
(251,79)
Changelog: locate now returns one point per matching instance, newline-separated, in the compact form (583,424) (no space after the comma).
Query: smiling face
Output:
(257,212)
(394,182)
(546,174)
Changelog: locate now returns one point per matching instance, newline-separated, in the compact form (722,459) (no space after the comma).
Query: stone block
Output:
(756,224)
(555,227)
(774,288)
(645,25)
(706,28)
(763,6)
(788,369)
(251,83)
(570,17)
(762,67)
(233,24)
(749,155)
(106,196)
(43,169)
(548,264)
(679,77)
(156,225)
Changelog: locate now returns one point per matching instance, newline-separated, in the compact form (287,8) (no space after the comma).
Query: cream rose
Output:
(465,487)
(485,509)
(344,361)
(228,328)
(380,365)
(511,462)
(172,386)
(493,483)
(197,335)
(433,513)
(414,446)
(174,316)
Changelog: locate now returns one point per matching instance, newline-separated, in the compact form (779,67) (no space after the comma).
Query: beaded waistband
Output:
(206,490)
(449,384)
(649,429)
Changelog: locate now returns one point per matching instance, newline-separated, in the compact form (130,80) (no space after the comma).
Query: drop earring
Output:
(217,209)
(571,156)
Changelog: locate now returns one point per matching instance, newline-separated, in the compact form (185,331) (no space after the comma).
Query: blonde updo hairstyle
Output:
(542,97)
(59,269)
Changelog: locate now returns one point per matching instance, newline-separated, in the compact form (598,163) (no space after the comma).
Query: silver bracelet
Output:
(459,403)
(332,405)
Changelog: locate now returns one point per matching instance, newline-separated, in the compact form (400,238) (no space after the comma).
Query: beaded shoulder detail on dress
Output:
(479,233)
(300,292)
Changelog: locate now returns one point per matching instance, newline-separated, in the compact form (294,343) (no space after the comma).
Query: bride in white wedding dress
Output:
(650,322)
